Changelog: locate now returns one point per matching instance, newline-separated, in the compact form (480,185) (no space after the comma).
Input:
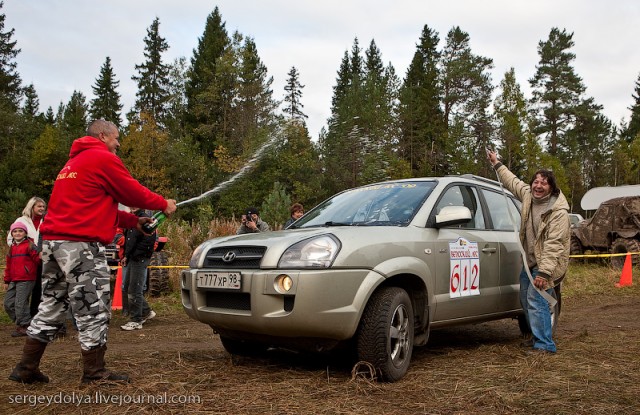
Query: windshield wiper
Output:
(332,223)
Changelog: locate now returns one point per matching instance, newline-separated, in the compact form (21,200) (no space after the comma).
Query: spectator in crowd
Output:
(19,277)
(296,211)
(32,216)
(251,222)
(138,250)
(81,219)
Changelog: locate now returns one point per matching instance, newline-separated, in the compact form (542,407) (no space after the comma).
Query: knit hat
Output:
(18,225)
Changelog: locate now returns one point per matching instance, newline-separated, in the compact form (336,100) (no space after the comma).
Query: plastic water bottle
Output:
(158,218)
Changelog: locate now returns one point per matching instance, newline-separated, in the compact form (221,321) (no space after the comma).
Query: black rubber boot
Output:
(27,371)
(93,361)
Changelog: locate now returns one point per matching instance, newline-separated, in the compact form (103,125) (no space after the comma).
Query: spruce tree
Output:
(73,122)
(512,119)
(422,140)
(153,77)
(253,115)
(631,130)
(210,84)
(10,82)
(467,92)
(106,104)
(177,102)
(31,104)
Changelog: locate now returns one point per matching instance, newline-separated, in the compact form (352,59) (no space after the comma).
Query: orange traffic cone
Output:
(116,304)
(625,277)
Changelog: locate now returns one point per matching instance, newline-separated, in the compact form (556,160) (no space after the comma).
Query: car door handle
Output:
(489,250)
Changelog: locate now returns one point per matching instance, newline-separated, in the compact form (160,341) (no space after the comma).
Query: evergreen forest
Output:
(199,120)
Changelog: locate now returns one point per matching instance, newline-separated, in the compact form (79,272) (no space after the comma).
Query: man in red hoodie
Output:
(82,218)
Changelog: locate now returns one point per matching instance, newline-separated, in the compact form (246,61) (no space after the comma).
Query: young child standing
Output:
(20,277)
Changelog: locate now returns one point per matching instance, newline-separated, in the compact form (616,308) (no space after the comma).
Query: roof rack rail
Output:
(480,178)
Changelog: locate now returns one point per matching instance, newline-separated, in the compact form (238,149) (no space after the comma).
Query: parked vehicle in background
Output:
(614,228)
(157,278)
(575,219)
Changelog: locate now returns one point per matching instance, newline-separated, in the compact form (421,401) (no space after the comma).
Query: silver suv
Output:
(373,268)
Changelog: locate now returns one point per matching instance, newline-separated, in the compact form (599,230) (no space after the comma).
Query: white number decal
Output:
(464,277)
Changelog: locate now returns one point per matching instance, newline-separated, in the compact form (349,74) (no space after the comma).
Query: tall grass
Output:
(597,278)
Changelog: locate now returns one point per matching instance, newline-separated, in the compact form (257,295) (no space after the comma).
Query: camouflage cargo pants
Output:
(75,276)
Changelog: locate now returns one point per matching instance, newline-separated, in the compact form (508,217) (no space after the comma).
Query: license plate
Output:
(224,280)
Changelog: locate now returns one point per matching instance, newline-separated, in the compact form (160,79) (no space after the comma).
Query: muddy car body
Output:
(613,228)
(373,268)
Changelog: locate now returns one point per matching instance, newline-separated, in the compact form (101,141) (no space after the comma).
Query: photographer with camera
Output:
(251,222)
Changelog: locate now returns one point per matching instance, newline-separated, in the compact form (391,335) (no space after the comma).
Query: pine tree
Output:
(106,104)
(293,96)
(153,77)
(556,90)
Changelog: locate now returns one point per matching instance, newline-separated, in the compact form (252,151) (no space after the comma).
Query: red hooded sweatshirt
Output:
(84,202)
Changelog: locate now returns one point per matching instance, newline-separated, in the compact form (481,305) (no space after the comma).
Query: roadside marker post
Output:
(116,304)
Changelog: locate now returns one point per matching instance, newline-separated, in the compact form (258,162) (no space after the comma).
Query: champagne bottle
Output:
(158,218)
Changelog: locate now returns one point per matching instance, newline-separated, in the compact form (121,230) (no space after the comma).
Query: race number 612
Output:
(464,279)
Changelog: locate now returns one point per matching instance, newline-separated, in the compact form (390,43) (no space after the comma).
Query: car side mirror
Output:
(452,215)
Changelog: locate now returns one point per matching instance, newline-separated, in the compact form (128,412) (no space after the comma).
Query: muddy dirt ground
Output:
(179,366)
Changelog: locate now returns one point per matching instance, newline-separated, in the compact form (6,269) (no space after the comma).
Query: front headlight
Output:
(318,252)
(195,257)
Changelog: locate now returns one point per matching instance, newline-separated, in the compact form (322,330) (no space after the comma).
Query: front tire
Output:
(159,277)
(385,336)
(575,248)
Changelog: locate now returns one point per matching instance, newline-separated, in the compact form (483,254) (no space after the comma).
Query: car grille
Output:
(236,257)
(232,301)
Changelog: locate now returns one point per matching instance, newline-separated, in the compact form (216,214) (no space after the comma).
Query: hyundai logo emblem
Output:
(229,256)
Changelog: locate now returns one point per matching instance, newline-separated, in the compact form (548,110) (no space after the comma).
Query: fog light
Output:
(283,283)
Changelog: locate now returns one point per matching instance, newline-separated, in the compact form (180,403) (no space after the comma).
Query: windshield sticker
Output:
(464,278)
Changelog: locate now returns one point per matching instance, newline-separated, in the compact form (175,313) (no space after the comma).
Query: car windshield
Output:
(389,204)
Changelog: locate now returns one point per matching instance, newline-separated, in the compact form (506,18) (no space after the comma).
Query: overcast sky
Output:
(65,42)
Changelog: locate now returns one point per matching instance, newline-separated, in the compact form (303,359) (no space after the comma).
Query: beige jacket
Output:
(551,247)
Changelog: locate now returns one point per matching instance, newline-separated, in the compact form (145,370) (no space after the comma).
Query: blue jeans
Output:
(537,312)
(136,271)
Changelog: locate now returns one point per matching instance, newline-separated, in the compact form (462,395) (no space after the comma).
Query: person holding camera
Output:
(251,223)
